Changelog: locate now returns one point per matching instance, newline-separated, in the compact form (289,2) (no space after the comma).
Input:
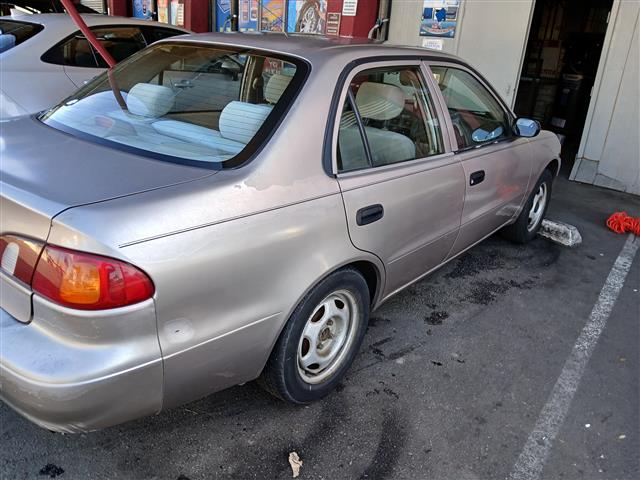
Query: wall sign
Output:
(248,15)
(307,16)
(272,15)
(177,13)
(333,24)
(223,15)
(439,18)
(432,43)
(163,11)
(142,9)
(349,8)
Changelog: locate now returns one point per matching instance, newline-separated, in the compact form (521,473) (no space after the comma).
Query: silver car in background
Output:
(223,207)
(45,57)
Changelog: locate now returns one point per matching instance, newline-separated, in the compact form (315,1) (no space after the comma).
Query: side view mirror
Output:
(526,127)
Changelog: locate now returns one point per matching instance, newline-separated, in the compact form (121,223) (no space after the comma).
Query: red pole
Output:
(73,13)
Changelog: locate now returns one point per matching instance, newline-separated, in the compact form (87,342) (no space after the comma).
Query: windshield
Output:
(186,103)
(13,33)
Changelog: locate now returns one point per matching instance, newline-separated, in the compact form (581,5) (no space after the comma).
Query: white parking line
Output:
(534,454)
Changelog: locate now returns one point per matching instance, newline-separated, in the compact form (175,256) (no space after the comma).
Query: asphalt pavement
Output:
(454,374)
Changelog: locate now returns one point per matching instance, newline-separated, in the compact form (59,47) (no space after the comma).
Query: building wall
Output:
(609,153)
(359,25)
(492,36)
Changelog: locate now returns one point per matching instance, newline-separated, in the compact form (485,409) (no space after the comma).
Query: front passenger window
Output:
(476,115)
(394,112)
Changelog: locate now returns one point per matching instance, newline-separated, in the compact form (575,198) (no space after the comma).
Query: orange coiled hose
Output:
(621,222)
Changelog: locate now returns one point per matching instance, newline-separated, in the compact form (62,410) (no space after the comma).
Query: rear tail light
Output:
(74,279)
(89,282)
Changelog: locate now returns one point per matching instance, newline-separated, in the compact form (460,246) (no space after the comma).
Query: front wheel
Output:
(526,226)
(320,340)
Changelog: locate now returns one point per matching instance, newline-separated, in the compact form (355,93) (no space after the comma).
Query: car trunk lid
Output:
(45,171)
(50,170)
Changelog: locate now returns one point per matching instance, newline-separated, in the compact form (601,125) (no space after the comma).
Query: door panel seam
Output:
(423,246)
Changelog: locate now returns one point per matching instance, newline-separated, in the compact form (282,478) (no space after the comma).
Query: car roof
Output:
(64,21)
(313,48)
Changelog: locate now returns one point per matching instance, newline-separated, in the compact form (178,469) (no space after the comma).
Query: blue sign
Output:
(142,9)
(223,15)
(439,18)
(248,15)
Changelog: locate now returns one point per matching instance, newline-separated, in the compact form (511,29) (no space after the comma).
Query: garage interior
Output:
(559,69)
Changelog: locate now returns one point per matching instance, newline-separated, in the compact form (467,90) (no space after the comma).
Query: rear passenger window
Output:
(396,116)
(120,42)
(476,115)
(76,51)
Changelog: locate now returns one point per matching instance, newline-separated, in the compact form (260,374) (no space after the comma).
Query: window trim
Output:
(341,94)
(482,81)
(363,134)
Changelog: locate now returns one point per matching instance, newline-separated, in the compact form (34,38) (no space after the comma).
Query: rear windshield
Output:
(185,103)
(13,33)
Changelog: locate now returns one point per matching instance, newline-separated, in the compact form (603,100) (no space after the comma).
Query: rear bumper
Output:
(108,372)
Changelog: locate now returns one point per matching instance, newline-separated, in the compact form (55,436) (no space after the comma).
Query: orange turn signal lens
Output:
(80,283)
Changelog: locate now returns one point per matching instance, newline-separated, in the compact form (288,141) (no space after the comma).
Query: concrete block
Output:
(560,232)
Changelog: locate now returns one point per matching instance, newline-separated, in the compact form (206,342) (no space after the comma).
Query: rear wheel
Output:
(526,226)
(320,340)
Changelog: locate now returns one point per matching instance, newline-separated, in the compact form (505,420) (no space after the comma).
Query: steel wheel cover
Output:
(327,336)
(537,207)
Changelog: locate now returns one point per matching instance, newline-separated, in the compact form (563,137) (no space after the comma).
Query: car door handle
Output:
(369,214)
(476,177)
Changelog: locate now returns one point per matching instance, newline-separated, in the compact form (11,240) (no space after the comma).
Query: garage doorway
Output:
(559,69)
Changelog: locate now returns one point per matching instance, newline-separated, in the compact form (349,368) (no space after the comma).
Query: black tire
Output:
(281,376)
(521,231)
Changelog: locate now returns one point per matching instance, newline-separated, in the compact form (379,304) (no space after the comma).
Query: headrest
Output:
(275,87)
(148,100)
(240,121)
(407,78)
(379,101)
